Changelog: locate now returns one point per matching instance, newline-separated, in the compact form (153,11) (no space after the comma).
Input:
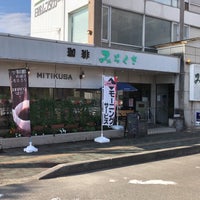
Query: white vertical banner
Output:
(194,82)
(109,100)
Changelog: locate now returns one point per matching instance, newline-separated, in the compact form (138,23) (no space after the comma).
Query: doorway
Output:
(164,103)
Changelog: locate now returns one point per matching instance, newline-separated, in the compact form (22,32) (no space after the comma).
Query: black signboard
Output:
(132,124)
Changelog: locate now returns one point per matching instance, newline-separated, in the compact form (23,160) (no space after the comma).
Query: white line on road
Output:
(152,182)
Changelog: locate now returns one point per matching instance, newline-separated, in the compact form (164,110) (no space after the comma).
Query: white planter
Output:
(6,143)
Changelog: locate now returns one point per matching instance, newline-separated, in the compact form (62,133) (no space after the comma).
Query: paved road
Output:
(172,179)
(16,166)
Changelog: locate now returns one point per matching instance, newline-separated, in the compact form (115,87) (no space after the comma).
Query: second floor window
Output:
(126,27)
(79,26)
(157,31)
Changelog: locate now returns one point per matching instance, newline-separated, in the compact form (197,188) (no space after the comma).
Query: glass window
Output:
(79,26)
(186,32)
(126,27)
(175,32)
(194,32)
(105,23)
(157,31)
(173,3)
(194,6)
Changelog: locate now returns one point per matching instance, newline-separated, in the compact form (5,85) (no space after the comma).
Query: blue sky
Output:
(15,16)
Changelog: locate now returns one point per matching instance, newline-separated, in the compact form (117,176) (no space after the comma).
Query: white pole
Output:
(102,95)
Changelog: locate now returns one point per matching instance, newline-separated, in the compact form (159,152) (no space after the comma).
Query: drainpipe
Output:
(143,26)
(182,9)
(64,20)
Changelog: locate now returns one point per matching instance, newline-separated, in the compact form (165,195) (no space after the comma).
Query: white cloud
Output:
(15,23)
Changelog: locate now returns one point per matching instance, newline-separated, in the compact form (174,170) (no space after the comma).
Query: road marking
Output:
(112,181)
(152,182)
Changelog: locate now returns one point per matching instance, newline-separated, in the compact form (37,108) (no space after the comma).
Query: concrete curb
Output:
(119,161)
(6,143)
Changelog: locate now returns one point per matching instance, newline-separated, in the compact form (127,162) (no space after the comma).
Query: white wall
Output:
(50,24)
(192,19)
(53,24)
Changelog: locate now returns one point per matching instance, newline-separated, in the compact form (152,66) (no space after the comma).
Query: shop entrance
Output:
(164,103)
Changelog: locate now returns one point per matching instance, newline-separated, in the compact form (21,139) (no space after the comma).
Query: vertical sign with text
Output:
(194,82)
(20,99)
(109,100)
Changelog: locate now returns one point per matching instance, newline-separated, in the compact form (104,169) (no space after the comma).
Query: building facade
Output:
(70,39)
(62,70)
(188,96)
(134,26)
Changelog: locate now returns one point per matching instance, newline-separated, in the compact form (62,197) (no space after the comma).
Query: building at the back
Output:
(53,19)
(129,24)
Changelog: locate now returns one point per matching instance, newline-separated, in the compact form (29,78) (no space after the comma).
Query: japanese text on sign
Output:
(102,56)
(71,52)
(117,58)
(109,99)
(197,78)
(19,81)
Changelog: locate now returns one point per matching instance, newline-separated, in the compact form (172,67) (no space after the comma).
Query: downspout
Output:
(64,31)
(143,27)
(182,9)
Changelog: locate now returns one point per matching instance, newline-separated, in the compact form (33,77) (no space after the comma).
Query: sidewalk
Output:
(55,160)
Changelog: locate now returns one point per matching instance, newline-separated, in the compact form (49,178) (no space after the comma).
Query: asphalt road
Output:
(172,179)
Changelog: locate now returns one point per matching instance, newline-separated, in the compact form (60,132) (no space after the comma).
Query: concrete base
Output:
(6,143)
(160,130)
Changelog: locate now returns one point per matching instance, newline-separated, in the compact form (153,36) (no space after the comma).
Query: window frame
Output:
(172,3)
(71,23)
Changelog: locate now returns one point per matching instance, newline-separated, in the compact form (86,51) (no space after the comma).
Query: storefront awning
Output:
(125,87)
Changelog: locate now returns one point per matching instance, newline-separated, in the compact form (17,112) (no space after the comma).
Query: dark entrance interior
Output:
(164,103)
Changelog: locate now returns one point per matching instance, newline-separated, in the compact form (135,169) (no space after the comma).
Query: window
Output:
(157,31)
(176,32)
(194,32)
(173,3)
(194,6)
(79,26)
(105,23)
(186,32)
(126,27)
(186,4)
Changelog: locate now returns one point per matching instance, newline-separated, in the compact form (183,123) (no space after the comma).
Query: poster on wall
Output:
(194,82)
(109,100)
(197,118)
(20,99)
